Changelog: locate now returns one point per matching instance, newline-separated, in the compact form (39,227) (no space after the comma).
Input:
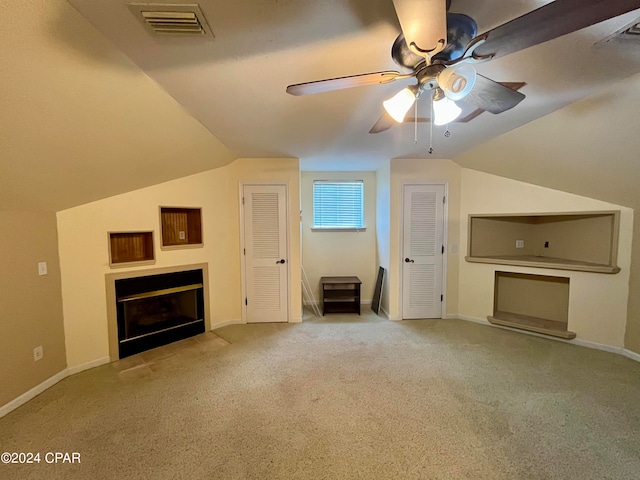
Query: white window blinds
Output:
(338,204)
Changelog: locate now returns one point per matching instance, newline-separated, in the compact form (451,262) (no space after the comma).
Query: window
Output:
(338,204)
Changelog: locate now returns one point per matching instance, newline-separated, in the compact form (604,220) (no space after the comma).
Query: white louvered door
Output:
(422,254)
(266,256)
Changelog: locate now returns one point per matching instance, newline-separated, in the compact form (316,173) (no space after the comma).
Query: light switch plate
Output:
(38,353)
(42,268)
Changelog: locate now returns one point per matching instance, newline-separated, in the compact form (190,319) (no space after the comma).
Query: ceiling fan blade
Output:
(385,122)
(423,23)
(321,86)
(548,22)
(493,96)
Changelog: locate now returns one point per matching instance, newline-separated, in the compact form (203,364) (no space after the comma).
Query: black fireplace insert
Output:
(155,310)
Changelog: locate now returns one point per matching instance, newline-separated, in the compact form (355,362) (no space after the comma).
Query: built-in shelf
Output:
(536,303)
(130,248)
(584,241)
(181,227)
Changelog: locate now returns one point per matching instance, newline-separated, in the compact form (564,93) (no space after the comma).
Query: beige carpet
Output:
(342,397)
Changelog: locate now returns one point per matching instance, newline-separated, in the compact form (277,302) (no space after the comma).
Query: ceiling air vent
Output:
(172,19)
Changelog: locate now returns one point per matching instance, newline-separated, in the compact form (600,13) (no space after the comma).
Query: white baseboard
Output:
(34,392)
(234,321)
(575,341)
(393,319)
(482,321)
(365,301)
(296,320)
(632,355)
(48,383)
(87,366)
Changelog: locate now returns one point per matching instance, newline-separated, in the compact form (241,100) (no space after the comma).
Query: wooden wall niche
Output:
(130,248)
(567,241)
(181,227)
(536,303)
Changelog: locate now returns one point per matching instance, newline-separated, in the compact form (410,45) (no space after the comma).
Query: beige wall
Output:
(597,302)
(383,227)
(538,296)
(276,170)
(588,148)
(80,121)
(31,313)
(424,171)
(332,253)
(84,252)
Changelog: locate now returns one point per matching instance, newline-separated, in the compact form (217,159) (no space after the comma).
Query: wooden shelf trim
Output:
(544,262)
(532,324)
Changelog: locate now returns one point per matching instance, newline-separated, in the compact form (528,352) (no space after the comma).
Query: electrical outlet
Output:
(182,235)
(38,353)
(546,244)
(42,268)
(519,243)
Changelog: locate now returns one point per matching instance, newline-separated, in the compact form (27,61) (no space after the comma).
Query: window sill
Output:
(338,229)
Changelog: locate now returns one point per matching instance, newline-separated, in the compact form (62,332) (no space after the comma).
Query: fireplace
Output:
(158,309)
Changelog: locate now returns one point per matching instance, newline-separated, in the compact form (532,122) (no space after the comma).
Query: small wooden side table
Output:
(340,294)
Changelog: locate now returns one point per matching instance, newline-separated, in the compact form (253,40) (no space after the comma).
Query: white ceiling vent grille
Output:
(172,19)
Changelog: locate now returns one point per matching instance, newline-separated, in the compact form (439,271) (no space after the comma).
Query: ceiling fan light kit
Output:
(444,66)
(457,82)
(398,105)
(445,110)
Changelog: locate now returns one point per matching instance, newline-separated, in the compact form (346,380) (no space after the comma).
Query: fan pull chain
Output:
(415,122)
(447,133)
(431,126)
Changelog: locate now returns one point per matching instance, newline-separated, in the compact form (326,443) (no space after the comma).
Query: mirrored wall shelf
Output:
(181,227)
(130,248)
(582,241)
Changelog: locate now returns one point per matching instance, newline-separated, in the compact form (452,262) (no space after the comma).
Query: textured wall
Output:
(331,253)
(31,313)
(588,148)
(84,252)
(597,301)
(420,171)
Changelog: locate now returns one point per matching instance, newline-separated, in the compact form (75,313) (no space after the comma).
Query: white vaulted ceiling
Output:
(235,84)
(92,104)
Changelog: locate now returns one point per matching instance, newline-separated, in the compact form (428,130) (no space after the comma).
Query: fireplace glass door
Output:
(157,310)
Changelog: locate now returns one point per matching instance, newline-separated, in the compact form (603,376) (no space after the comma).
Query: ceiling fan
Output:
(440,49)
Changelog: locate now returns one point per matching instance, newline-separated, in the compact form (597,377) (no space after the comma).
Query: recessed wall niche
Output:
(130,248)
(181,227)
(537,303)
(583,241)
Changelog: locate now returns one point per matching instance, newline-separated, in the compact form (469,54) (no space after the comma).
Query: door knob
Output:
(280,261)
(408,260)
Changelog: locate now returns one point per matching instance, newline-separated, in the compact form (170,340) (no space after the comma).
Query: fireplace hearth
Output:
(155,310)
